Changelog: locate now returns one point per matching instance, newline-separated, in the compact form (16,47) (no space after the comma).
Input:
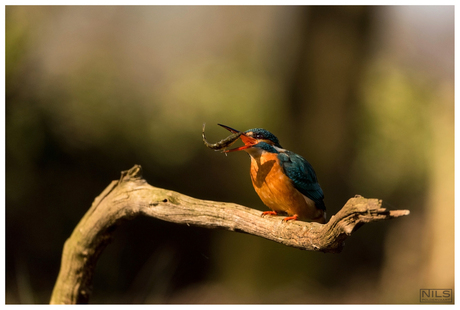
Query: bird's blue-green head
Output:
(263,135)
(256,137)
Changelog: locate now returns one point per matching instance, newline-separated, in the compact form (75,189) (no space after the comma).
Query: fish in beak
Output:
(247,140)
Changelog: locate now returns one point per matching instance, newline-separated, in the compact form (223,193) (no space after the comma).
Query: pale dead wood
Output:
(132,196)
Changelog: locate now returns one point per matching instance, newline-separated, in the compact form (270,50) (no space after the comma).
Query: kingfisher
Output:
(285,181)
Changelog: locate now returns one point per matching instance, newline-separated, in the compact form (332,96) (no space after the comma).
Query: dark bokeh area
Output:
(365,94)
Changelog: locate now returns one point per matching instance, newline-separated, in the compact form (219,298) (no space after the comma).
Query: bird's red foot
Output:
(291,218)
(268,213)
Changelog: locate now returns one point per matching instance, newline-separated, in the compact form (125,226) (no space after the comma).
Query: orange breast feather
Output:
(276,190)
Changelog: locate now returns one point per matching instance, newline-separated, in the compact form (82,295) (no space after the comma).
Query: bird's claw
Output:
(268,213)
(291,218)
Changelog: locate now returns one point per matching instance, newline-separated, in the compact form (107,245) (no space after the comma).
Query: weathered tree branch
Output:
(132,196)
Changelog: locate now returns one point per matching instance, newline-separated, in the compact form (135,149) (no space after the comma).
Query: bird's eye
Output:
(259,136)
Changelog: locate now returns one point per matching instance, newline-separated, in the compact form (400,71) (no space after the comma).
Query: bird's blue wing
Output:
(299,170)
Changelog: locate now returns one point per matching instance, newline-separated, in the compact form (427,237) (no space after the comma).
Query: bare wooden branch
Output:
(132,196)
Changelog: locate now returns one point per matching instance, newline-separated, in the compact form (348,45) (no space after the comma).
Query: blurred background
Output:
(364,93)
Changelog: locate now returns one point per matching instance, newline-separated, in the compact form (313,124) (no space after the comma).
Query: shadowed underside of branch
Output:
(132,196)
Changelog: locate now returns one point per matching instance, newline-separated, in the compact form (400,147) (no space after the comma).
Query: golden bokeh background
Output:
(365,93)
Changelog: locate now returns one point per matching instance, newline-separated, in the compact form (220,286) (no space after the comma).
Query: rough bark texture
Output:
(132,196)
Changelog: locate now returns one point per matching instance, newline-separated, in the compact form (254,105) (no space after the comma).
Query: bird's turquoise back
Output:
(299,170)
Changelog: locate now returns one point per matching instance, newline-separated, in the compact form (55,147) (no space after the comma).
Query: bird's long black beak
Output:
(248,141)
(229,128)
